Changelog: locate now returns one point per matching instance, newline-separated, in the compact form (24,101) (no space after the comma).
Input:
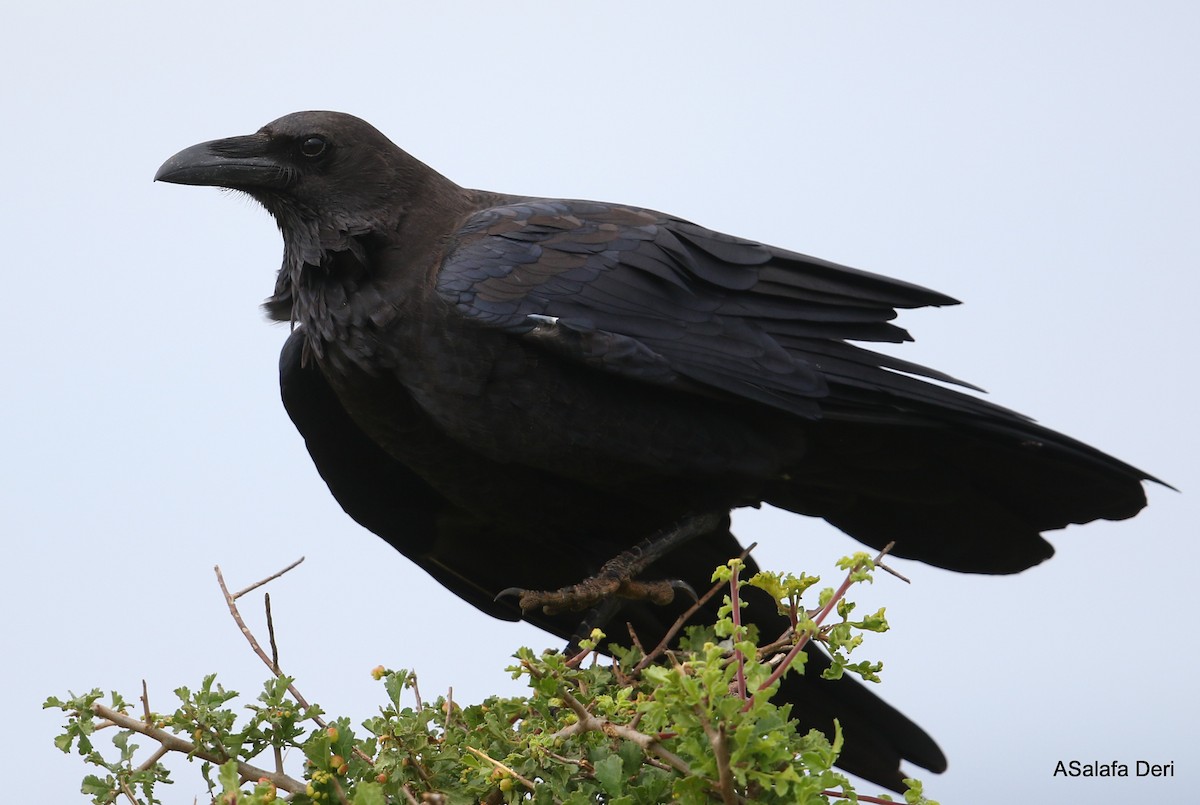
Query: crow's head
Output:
(325,177)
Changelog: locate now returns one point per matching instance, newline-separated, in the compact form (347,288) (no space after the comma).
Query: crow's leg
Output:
(598,617)
(617,578)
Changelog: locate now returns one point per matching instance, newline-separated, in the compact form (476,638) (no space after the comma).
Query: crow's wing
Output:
(957,481)
(668,302)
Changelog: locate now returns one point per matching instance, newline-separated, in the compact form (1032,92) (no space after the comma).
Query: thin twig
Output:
(650,746)
(154,758)
(415,763)
(588,722)
(412,683)
(817,621)
(146,703)
(271,634)
(577,659)
(341,793)
(736,614)
(507,770)
(231,602)
(582,763)
(272,577)
(174,743)
(684,618)
(633,638)
(720,746)
(886,550)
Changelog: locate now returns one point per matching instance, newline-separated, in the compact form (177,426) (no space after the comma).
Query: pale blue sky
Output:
(1037,160)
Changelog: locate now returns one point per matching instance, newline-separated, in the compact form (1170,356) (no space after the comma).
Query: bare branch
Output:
(886,550)
(154,758)
(577,660)
(720,746)
(588,722)
(231,602)
(173,743)
(146,703)
(412,679)
(271,577)
(271,634)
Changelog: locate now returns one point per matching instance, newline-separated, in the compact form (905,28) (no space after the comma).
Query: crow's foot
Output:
(617,578)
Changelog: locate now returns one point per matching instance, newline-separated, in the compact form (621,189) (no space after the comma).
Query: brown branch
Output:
(341,793)
(422,772)
(769,649)
(146,703)
(719,742)
(886,550)
(838,595)
(507,770)
(271,634)
(576,660)
(736,614)
(154,758)
(231,602)
(173,743)
(588,722)
(261,582)
(684,618)
(276,750)
(633,639)
(412,680)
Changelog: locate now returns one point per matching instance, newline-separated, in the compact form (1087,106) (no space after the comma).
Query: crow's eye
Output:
(313,147)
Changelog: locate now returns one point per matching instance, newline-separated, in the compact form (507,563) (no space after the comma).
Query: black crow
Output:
(512,390)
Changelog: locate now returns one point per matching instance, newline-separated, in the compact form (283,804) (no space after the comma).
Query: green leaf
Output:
(631,756)
(227,776)
(95,787)
(369,794)
(394,683)
(423,749)
(610,773)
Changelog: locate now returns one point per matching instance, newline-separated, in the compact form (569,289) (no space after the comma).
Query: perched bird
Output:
(513,390)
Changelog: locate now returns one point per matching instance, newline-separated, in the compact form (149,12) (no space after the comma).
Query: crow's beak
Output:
(241,163)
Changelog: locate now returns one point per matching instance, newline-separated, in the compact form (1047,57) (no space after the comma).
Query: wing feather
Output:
(665,301)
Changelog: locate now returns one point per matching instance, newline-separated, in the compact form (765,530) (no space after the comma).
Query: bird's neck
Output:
(348,285)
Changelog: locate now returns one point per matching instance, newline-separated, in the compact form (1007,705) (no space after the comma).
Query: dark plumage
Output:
(512,390)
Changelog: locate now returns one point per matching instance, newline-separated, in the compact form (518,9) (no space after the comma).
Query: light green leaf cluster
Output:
(608,732)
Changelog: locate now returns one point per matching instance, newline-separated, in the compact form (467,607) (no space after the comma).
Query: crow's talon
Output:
(683,587)
(510,592)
